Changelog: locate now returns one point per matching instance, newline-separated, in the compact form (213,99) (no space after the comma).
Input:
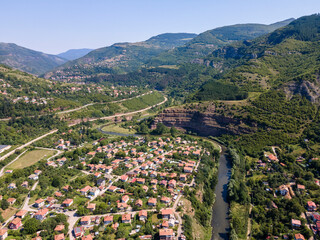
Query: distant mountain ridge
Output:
(28,60)
(119,57)
(161,50)
(73,54)
(210,40)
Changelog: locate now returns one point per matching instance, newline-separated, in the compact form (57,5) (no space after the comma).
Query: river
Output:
(220,211)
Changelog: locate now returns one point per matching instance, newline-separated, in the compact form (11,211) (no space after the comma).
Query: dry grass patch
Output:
(30,158)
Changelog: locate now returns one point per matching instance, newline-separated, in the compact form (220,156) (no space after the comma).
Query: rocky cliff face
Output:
(205,123)
(310,90)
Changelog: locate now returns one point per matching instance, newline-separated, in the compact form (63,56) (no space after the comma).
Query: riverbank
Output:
(220,210)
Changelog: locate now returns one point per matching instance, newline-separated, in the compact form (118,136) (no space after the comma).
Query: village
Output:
(293,191)
(128,187)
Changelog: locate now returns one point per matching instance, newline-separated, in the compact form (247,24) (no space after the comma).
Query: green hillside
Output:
(28,60)
(120,57)
(206,42)
(287,58)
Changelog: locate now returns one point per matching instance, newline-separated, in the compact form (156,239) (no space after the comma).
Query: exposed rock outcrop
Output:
(310,90)
(205,123)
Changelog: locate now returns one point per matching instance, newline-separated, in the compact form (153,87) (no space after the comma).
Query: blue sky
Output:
(54,26)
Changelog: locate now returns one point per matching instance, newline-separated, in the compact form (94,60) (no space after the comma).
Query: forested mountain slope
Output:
(287,58)
(119,58)
(210,40)
(28,60)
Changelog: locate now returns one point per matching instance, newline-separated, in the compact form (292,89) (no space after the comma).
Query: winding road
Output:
(73,124)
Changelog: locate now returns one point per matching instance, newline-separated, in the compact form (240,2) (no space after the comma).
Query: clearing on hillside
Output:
(30,158)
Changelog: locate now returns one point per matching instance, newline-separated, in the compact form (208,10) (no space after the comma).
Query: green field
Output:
(118,129)
(30,158)
(143,102)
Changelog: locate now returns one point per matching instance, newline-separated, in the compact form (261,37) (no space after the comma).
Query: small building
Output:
(299,236)
(11,201)
(68,202)
(166,234)
(125,198)
(311,206)
(78,231)
(34,177)
(39,203)
(12,186)
(41,214)
(152,202)
(21,214)
(15,223)
(166,213)
(85,190)
(107,220)
(295,223)
(139,203)
(126,218)
(91,207)
(3,233)
(85,220)
(143,215)
(59,228)
(283,189)
(59,237)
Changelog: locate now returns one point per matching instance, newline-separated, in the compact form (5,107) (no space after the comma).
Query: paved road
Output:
(84,106)
(27,144)
(90,104)
(73,124)
(2,169)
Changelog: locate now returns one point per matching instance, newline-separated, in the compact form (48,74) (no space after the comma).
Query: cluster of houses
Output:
(149,169)
(165,232)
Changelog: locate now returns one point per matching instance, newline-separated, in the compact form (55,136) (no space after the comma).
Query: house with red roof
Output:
(125,198)
(41,214)
(295,223)
(139,203)
(15,223)
(59,237)
(166,234)
(122,206)
(39,203)
(59,228)
(84,221)
(165,200)
(88,237)
(107,220)
(68,202)
(124,178)
(152,202)
(311,206)
(3,233)
(85,190)
(91,206)
(299,236)
(166,213)
(143,215)
(126,218)
(21,214)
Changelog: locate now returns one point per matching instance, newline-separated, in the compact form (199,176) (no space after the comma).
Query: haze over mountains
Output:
(28,60)
(163,49)
(73,54)
(121,57)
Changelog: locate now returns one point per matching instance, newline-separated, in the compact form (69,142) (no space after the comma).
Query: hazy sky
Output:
(54,26)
